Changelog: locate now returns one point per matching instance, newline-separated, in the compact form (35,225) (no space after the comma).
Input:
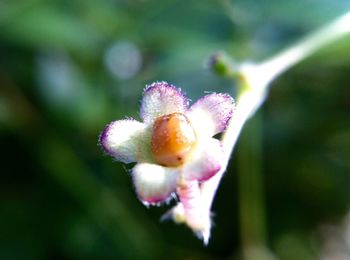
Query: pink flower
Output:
(174,147)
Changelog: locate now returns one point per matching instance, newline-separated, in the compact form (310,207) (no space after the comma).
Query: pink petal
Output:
(154,183)
(195,216)
(124,140)
(162,98)
(210,114)
(205,162)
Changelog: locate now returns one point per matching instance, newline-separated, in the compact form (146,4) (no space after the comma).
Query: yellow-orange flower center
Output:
(172,139)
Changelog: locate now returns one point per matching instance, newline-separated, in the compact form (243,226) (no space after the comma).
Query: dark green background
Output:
(62,198)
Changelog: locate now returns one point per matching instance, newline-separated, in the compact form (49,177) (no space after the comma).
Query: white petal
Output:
(205,162)
(154,183)
(210,114)
(162,98)
(125,140)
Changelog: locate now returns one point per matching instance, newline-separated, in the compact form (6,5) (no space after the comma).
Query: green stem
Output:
(258,77)
(254,80)
(250,189)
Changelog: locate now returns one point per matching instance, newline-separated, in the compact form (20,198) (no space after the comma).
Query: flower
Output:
(174,147)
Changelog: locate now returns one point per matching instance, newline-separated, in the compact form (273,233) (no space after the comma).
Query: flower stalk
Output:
(254,81)
(174,145)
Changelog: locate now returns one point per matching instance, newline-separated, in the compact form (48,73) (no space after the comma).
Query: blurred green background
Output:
(67,68)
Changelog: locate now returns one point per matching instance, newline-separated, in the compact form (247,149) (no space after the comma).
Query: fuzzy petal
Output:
(124,140)
(210,114)
(162,98)
(205,162)
(190,197)
(154,183)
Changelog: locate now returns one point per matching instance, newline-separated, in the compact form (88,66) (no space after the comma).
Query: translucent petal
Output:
(162,98)
(154,183)
(206,161)
(210,114)
(125,140)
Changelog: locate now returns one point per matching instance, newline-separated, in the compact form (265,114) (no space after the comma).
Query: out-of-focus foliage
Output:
(67,68)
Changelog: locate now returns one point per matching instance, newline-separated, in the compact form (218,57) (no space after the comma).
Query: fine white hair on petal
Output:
(122,139)
(162,98)
(210,114)
(154,183)
(206,161)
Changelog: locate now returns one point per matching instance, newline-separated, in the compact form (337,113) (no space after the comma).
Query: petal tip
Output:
(229,110)
(207,162)
(162,98)
(210,173)
(153,183)
(121,139)
(156,200)
(102,139)
(163,86)
(218,108)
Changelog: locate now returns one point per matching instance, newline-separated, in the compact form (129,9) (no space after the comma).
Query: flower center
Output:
(172,139)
